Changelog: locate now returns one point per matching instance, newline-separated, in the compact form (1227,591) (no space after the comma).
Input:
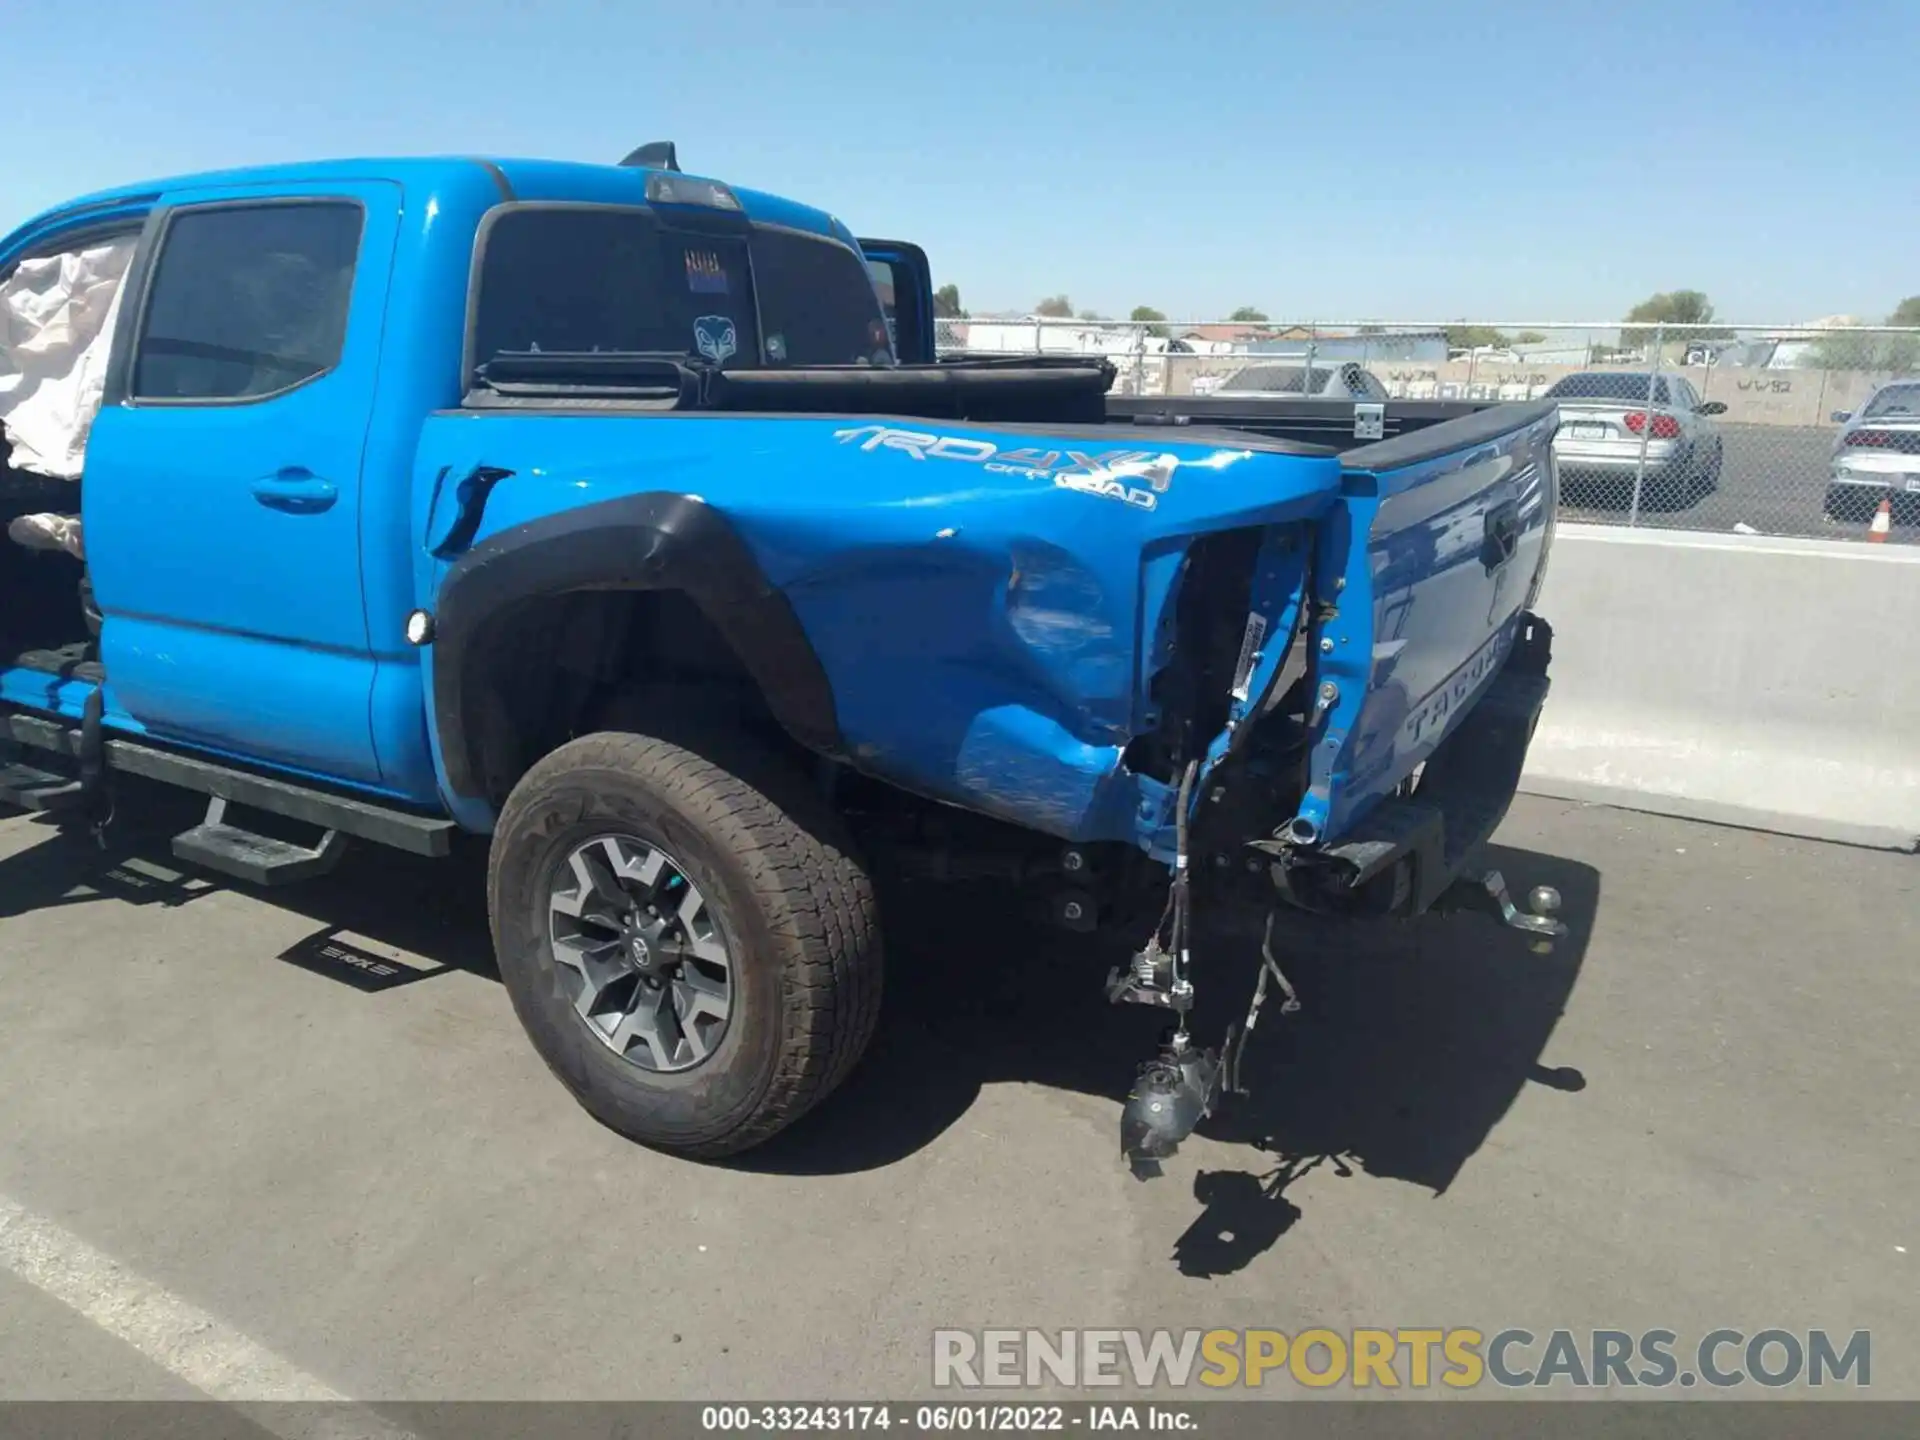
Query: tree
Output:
(946,303)
(1874,352)
(1091,315)
(1146,315)
(1249,315)
(1057,307)
(1672,307)
(1475,337)
(1528,337)
(1856,350)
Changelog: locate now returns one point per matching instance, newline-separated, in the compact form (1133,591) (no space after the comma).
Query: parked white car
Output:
(1290,380)
(1876,455)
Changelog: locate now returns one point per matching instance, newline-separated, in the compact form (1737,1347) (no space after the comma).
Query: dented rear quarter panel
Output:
(988,602)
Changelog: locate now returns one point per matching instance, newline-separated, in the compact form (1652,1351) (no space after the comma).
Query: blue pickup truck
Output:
(630,519)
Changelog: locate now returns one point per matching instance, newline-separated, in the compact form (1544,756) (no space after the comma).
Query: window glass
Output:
(885,286)
(1894,400)
(1279,380)
(247,301)
(609,280)
(1609,385)
(817,302)
(617,280)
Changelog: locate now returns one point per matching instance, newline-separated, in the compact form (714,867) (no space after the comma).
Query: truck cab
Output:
(629,519)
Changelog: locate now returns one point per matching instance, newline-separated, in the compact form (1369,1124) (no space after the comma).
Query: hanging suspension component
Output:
(1177,1089)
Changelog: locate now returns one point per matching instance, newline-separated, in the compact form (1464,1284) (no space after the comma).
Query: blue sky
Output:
(1503,161)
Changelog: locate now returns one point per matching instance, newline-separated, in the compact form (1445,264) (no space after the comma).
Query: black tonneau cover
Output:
(1056,394)
(1326,422)
(1036,394)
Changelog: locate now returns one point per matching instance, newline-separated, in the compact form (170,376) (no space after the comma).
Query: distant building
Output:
(1558,350)
(1373,347)
(1228,339)
(1029,335)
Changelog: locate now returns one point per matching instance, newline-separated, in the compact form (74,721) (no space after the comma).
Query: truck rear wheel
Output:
(693,950)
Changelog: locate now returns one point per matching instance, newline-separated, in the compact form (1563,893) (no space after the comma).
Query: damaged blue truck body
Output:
(631,520)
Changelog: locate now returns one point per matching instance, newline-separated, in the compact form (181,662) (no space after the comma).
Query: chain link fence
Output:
(1778,430)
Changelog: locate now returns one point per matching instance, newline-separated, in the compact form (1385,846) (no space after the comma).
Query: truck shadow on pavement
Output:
(435,909)
(1411,1043)
(66,867)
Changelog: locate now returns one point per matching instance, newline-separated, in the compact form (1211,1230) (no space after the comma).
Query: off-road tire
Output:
(796,906)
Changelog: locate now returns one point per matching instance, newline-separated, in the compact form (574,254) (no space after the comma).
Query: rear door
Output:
(222,492)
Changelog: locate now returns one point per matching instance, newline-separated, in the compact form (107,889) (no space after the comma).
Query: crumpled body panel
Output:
(990,604)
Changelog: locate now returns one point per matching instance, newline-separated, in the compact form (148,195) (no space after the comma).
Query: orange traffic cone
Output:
(1882,524)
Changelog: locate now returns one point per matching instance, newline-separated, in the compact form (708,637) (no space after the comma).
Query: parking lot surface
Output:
(1700,1111)
(1774,480)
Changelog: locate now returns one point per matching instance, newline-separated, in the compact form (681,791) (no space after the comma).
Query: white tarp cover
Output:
(56,325)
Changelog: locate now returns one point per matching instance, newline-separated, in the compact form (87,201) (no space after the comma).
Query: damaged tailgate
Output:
(1425,574)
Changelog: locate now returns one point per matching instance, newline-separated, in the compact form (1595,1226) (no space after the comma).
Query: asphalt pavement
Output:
(1699,1111)
(1773,480)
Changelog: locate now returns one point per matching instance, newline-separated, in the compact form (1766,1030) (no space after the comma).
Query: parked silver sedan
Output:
(1611,419)
(1876,455)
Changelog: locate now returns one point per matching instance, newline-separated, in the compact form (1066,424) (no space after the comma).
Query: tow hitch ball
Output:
(1543,902)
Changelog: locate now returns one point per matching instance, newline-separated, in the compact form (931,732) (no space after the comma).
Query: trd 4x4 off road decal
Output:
(1137,477)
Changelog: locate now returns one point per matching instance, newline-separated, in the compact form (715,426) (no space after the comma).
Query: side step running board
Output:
(258,859)
(418,834)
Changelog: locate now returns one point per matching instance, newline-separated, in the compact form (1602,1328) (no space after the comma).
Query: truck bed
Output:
(1053,391)
(1007,537)
(1329,422)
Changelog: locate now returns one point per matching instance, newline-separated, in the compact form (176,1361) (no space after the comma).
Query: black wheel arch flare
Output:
(637,542)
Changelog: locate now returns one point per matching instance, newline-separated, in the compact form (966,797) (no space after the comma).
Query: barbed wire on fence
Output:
(1786,429)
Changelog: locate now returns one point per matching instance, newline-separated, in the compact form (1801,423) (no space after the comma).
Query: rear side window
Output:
(609,281)
(881,273)
(247,301)
(817,302)
(612,280)
(1894,400)
(1621,385)
(1360,384)
(1280,380)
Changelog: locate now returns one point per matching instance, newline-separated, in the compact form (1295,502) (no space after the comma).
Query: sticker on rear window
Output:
(715,337)
(705,274)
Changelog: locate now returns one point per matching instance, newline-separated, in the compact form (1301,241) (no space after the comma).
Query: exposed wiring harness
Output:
(1180,903)
(1290,1002)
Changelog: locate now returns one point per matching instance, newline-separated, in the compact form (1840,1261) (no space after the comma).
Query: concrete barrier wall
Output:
(1751,680)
